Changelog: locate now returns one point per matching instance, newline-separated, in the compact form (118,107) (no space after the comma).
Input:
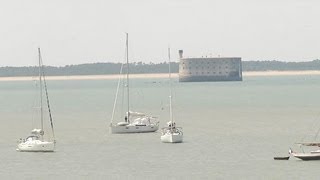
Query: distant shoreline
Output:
(160,75)
(280,73)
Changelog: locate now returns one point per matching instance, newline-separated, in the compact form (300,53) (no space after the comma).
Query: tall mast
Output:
(127,54)
(170,97)
(40,82)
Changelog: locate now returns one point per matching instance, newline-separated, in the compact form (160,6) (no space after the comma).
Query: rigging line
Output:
(47,95)
(315,137)
(313,125)
(122,94)
(116,98)
(41,100)
(121,76)
(34,106)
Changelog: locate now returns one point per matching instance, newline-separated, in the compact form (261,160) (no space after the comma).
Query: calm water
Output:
(232,130)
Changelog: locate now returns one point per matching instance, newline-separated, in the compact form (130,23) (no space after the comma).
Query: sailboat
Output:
(312,154)
(36,142)
(134,122)
(171,133)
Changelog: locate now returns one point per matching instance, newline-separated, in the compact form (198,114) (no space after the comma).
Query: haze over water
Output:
(231,130)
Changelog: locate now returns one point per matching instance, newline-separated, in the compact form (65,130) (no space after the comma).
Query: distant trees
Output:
(279,65)
(89,69)
(145,68)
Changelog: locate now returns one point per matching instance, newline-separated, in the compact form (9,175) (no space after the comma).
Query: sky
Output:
(88,31)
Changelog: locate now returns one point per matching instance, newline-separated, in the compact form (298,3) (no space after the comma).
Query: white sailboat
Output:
(36,141)
(134,122)
(310,150)
(171,133)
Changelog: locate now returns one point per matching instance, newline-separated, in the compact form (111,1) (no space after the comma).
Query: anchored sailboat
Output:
(36,141)
(312,154)
(134,122)
(171,133)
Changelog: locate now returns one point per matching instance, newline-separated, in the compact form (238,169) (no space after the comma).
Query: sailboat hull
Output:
(132,129)
(36,146)
(307,156)
(172,138)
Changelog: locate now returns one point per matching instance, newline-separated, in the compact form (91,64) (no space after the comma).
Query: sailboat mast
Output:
(40,83)
(170,97)
(127,54)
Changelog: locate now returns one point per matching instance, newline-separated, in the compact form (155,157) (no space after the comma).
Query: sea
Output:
(232,130)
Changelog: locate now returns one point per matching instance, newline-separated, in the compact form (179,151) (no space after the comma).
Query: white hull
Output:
(172,138)
(307,156)
(36,146)
(133,129)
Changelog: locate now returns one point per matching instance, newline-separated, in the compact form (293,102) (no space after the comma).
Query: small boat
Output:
(171,133)
(281,158)
(36,141)
(134,122)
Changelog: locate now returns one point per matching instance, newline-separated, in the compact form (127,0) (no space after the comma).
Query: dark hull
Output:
(282,158)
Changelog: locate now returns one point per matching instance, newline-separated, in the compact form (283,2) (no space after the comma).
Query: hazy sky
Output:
(85,31)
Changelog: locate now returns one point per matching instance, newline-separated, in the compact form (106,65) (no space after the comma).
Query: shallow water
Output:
(232,130)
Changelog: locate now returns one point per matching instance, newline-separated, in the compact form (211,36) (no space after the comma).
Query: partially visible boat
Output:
(36,141)
(312,155)
(307,156)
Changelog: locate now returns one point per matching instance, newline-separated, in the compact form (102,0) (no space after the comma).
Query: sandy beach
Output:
(174,75)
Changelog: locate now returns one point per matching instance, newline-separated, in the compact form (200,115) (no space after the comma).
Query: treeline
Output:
(89,69)
(280,66)
(146,68)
